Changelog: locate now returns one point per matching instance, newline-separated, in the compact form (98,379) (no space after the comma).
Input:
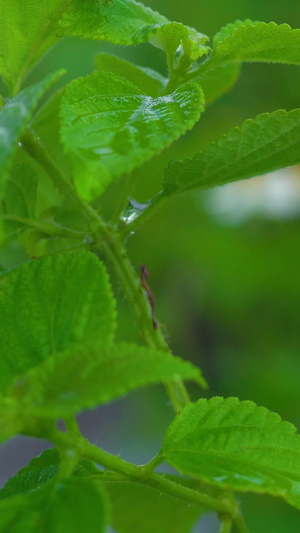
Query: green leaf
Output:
(267,143)
(254,41)
(15,116)
(74,505)
(39,471)
(147,80)
(127,22)
(136,507)
(229,443)
(19,199)
(217,81)
(245,41)
(47,304)
(88,375)
(27,31)
(109,126)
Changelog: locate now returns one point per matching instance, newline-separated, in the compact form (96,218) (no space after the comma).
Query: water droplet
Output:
(88,239)
(133,210)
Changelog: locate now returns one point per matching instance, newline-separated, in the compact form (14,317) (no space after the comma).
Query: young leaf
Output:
(109,126)
(47,304)
(269,142)
(136,507)
(246,41)
(229,443)
(72,506)
(27,31)
(254,41)
(15,116)
(127,22)
(88,375)
(19,199)
(147,80)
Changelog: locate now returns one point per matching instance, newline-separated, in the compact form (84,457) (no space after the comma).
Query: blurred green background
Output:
(224,265)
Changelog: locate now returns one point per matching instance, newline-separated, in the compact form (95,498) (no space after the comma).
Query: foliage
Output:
(60,354)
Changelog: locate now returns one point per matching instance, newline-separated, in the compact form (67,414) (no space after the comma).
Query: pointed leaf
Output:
(127,22)
(236,444)
(47,304)
(19,199)
(27,31)
(269,142)
(109,126)
(255,41)
(15,116)
(88,375)
(147,80)
(73,506)
(246,41)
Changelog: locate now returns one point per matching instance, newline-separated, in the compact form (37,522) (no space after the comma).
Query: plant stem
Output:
(114,251)
(137,474)
(226,524)
(111,245)
(37,151)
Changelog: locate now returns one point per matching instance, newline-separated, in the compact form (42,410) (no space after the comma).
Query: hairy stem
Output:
(114,251)
(138,474)
(112,247)
(37,151)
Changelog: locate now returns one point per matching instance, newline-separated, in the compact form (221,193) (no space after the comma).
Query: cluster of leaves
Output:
(59,355)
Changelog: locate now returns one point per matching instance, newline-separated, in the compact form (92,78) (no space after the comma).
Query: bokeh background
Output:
(224,264)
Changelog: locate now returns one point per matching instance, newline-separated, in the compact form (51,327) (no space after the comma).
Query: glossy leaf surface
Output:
(127,22)
(232,443)
(51,303)
(89,375)
(109,126)
(269,142)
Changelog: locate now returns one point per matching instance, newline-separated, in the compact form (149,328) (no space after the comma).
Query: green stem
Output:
(114,251)
(37,151)
(137,474)
(225,524)
(112,247)
(72,426)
